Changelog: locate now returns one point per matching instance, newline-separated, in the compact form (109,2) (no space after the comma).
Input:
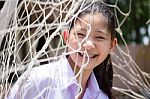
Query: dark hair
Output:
(104,76)
(104,71)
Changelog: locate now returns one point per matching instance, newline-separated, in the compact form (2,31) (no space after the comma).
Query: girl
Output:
(86,73)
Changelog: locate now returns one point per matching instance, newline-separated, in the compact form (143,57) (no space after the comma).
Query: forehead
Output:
(95,21)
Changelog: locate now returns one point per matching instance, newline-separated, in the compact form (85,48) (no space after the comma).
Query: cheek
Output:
(104,49)
(73,43)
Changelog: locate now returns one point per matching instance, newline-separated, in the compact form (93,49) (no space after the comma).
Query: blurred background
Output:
(136,33)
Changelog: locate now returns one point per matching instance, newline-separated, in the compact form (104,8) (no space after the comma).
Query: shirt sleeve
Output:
(26,87)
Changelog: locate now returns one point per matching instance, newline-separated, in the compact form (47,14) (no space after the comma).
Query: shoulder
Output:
(43,72)
(41,79)
(52,72)
(30,83)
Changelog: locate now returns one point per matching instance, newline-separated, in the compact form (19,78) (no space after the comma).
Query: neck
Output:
(83,77)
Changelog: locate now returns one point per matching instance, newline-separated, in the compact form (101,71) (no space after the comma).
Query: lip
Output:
(89,55)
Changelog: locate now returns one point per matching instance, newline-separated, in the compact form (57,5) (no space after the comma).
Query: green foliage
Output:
(137,19)
(140,14)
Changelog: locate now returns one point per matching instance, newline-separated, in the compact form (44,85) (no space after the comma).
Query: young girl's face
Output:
(95,42)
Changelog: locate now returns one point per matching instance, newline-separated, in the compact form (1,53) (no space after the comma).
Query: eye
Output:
(80,35)
(100,38)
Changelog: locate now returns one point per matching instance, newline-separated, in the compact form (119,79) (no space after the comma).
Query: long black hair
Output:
(104,76)
(104,71)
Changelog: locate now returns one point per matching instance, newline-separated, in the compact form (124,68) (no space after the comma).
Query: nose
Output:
(88,44)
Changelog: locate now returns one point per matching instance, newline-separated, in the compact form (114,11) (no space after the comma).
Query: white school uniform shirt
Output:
(53,81)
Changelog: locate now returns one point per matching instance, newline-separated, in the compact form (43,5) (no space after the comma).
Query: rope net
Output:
(30,35)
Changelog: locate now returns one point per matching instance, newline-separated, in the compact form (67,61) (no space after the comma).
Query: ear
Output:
(113,44)
(65,35)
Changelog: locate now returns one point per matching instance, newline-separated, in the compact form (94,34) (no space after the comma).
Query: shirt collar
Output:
(69,80)
(92,84)
(68,77)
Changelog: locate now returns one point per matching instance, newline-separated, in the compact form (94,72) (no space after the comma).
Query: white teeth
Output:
(91,55)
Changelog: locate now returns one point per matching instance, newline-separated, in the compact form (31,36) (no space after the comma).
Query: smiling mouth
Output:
(90,55)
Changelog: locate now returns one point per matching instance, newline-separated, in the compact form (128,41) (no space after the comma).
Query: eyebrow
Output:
(100,31)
